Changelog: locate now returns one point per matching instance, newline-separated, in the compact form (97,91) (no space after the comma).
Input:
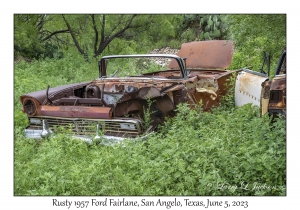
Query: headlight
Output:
(29,107)
(127,126)
(35,121)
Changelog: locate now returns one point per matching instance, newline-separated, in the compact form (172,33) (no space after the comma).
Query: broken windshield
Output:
(138,65)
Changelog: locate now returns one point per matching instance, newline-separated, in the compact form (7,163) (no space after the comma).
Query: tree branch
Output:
(102,31)
(118,24)
(96,33)
(61,41)
(73,36)
(104,42)
(54,33)
(41,22)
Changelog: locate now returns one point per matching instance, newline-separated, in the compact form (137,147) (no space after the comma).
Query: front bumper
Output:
(103,139)
(88,130)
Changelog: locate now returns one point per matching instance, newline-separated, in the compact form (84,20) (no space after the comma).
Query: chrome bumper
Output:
(37,134)
(45,131)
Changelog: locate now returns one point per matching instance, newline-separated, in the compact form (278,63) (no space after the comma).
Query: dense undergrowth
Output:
(229,151)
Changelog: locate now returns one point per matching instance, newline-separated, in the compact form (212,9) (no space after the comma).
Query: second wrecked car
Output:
(113,106)
(260,89)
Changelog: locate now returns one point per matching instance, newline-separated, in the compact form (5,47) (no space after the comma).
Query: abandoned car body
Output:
(259,89)
(114,107)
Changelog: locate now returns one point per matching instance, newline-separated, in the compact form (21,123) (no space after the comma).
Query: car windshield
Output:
(125,66)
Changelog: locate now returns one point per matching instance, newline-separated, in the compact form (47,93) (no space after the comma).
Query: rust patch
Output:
(133,108)
(208,99)
(278,94)
(76,111)
(278,83)
(214,54)
(179,96)
(224,84)
(148,92)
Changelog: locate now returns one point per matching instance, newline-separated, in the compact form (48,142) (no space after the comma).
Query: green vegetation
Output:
(254,35)
(204,27)
(229,151)
(52,35)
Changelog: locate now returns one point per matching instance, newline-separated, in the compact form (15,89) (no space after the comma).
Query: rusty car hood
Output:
(213,54)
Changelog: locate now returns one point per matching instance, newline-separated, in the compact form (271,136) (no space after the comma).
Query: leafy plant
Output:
(253,36)
(202,27)
(147,114)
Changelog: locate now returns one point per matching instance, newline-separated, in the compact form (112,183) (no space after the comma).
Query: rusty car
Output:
(258,88)
(113,106)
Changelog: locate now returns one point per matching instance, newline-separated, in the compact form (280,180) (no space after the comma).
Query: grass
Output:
(229,151)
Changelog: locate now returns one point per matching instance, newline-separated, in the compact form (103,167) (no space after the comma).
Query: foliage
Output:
(28,41)
(254,35)
(190,156)
(147,114)
(44,35)
(39,36)
(96,32)
(202,27)
(161,33)
(25,39)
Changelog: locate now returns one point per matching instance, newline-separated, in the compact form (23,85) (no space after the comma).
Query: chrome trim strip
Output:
(36,134)
(121,120)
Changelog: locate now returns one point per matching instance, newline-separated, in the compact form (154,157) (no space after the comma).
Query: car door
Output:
(252,87)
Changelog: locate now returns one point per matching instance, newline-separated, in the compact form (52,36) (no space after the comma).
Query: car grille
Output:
(87,127)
